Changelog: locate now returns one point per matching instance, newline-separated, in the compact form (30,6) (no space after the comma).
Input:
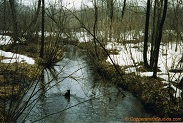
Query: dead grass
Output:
(9,91)
(150,91)
(153,96)
(23,69)
(1,57)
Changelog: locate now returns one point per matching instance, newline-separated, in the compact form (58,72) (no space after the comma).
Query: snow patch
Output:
(9,57)
(130,54)
(12,58)
(177,91)
(4,40)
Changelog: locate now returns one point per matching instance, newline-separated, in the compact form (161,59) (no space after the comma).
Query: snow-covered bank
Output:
(9,57)
(131,55)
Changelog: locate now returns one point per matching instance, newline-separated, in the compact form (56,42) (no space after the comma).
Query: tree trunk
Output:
(42,30)
(158,39)
(33,22)
(95,28)
(146,35)
(153,35)
(14,20)
(110,7)
(123,10)
(4,17)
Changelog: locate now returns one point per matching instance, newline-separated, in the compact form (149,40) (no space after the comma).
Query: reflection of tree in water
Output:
(43,95)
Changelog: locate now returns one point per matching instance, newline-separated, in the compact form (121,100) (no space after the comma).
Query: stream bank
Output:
(152,93)
(90,100)
(91,94)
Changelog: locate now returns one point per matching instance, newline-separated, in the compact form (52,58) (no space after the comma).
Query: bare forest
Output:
(79,61)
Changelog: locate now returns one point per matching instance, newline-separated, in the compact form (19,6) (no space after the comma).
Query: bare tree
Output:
(146,34)
(123,10)
(153,33)
(95,26)
(14,20)
(42,30)
(4,16)
(110,9)
(159,36)
(29,28)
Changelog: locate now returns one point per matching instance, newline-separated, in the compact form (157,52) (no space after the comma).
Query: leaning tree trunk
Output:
(95,28)
(158,39)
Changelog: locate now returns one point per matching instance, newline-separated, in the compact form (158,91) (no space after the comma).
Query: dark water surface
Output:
(90,101)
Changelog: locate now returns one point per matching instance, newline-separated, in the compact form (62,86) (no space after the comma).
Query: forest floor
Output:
(148,90)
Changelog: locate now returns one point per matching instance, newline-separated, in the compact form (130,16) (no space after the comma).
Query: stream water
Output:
(90,101)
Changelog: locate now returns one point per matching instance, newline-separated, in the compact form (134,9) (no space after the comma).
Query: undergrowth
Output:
(151,92)
(16,79)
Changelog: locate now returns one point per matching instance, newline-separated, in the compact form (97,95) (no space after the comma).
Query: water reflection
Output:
(42,95)
(88,101)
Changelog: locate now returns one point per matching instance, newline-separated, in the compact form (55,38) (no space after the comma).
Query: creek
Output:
(90,100)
